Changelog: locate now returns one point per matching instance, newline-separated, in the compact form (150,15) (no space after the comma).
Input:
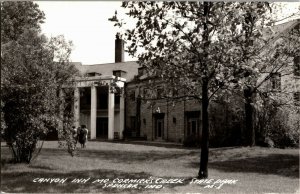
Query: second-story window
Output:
(175,92)
(297,66)
(159,92)
(297,98)
(141,71)
(147,93)
(132,95)
(276,81)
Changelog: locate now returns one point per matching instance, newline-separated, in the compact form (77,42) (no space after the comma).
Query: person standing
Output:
(78,131)
(83,136)
(75,134)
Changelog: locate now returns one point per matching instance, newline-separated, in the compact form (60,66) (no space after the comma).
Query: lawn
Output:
(105,166)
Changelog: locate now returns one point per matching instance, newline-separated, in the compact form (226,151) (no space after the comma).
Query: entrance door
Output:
(102,127)
(159,128)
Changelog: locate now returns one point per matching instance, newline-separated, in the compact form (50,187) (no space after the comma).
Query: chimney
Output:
(119,49)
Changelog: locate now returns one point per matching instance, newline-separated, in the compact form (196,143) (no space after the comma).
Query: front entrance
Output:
(159,126)
(102,127)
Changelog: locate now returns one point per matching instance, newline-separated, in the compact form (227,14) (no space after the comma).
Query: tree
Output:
(277,121)
(268,58)
(33,71)
(30,83)
(18,16)
(192,45)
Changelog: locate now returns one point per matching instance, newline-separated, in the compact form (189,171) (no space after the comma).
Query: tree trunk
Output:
(249,115)
(203,172)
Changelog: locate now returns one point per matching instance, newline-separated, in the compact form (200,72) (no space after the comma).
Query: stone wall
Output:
(225,124)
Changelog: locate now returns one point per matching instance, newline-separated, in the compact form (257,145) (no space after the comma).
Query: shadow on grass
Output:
(23,182)
(116,156)
(119,156)
(145,143)
(14,181)
(277,164)
(129,157)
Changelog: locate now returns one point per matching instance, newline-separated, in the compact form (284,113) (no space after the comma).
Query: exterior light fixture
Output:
(157,110)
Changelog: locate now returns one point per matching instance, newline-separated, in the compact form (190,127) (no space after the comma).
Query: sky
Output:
(86,24)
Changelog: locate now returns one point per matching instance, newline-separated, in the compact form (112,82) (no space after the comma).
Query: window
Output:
(193,127)
(92,74)
(193,123)
(174,120)
(276,54)
(175,92)
(297,98)
(146,93)
(297,66)
(117,73)
(159,92)
(276,81)
(141,71)
(132,95)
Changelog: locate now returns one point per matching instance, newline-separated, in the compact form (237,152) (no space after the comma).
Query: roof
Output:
(131,67)
(77,65)
(106,69)
(278,29)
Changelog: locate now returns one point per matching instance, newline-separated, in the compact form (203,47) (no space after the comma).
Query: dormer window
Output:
(297,66)
(119,73)
(92,74)
(297,98)
(141,71)
(276,81)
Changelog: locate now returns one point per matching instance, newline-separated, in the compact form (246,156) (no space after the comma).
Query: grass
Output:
(258,170)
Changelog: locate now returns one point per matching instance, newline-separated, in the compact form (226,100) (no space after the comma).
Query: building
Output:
(285,81)
(97,104)
(110,114)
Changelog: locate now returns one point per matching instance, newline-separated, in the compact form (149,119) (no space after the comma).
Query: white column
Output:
(76,107)
(111,114)
(93,111)
(122,115)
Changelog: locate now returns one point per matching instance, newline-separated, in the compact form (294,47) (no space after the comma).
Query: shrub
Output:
(191,141)
(277,125)
(30,83)
(226,120)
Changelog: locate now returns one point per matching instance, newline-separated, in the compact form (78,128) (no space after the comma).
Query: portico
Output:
(99,104)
